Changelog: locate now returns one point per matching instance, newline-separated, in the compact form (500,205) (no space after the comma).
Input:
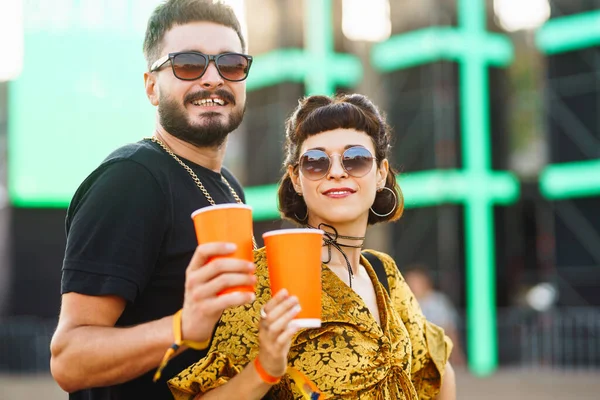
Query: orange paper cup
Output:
(227,223)
(294,263)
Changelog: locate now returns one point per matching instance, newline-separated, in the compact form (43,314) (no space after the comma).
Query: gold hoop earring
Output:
(393,208)
(299,194)
(301,219)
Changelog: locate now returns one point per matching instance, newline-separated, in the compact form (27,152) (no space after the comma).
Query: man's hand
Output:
(202,306)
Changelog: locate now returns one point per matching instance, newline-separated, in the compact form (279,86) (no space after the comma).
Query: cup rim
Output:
(306,322)
(221,206)
(292,231)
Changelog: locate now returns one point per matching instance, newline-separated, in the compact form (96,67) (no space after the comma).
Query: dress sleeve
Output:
(430,346)
(209,373)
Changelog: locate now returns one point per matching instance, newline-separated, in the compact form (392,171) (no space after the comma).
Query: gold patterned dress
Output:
(350,357)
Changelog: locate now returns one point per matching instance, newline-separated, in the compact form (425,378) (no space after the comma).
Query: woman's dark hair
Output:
(180,12)
(316,114)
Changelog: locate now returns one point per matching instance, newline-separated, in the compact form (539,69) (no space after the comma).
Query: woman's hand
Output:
(275,333)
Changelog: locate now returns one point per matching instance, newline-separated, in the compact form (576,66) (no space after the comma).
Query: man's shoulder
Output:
(143,152)
(133,163)
(228,174)
(133,158)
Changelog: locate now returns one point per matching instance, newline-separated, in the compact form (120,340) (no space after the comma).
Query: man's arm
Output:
(89,351)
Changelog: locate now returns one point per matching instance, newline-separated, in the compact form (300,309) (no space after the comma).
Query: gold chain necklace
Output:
(197,180)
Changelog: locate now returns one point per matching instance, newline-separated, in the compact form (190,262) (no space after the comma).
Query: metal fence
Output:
(565,339)
(25,344)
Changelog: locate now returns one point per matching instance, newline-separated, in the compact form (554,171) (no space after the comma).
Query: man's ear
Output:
(151,88)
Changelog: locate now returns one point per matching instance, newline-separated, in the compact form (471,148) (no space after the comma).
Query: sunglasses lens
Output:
(314,164)
(189,66)
(233,67)
(357,161)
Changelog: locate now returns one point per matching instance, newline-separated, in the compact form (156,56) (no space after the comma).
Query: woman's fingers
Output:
(276,332)
(288,311)
(279,305)
(275,321)
(279,297)
(285,337)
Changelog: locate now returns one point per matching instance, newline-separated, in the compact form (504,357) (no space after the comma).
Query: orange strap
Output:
(308,389)
(264,375)
(178,342)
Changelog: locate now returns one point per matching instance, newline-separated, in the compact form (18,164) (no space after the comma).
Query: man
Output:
(132,259)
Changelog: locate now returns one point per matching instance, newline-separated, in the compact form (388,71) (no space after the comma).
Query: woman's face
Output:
(338,197)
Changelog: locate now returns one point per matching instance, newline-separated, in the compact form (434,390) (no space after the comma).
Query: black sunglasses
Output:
(191,65)
(357,161)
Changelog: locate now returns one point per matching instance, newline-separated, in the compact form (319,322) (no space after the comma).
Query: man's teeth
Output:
(209,102)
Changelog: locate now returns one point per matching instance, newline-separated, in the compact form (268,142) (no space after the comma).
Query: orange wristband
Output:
(264,375)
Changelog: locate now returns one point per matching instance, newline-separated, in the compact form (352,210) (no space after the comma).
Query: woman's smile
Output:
(339,193)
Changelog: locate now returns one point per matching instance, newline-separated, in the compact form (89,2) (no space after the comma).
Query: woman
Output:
(371,345)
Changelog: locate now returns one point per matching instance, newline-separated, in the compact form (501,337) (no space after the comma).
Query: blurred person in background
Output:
(436,307)
(136,288)
(372,344)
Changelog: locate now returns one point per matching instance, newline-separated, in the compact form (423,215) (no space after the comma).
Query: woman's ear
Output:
(295,178)
(382,173)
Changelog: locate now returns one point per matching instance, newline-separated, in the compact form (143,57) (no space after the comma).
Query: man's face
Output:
(181,111)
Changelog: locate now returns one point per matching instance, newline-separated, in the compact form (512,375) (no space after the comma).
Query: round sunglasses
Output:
(357,161)
(191,65)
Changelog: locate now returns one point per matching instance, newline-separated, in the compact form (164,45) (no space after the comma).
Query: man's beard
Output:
(212,133)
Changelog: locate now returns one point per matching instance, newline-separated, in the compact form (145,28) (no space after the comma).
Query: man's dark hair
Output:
(180,12)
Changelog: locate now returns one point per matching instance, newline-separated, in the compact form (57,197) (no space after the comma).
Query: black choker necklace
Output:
(330,239)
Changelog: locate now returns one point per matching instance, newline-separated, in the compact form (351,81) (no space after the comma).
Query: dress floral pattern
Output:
(350,356)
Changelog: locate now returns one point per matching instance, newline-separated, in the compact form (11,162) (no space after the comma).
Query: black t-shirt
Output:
(130,234)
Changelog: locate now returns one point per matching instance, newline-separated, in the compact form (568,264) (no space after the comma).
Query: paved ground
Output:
(529,385)
(506,384)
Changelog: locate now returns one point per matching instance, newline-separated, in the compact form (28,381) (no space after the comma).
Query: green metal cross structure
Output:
(560,35)
(317,66)
(476,186)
